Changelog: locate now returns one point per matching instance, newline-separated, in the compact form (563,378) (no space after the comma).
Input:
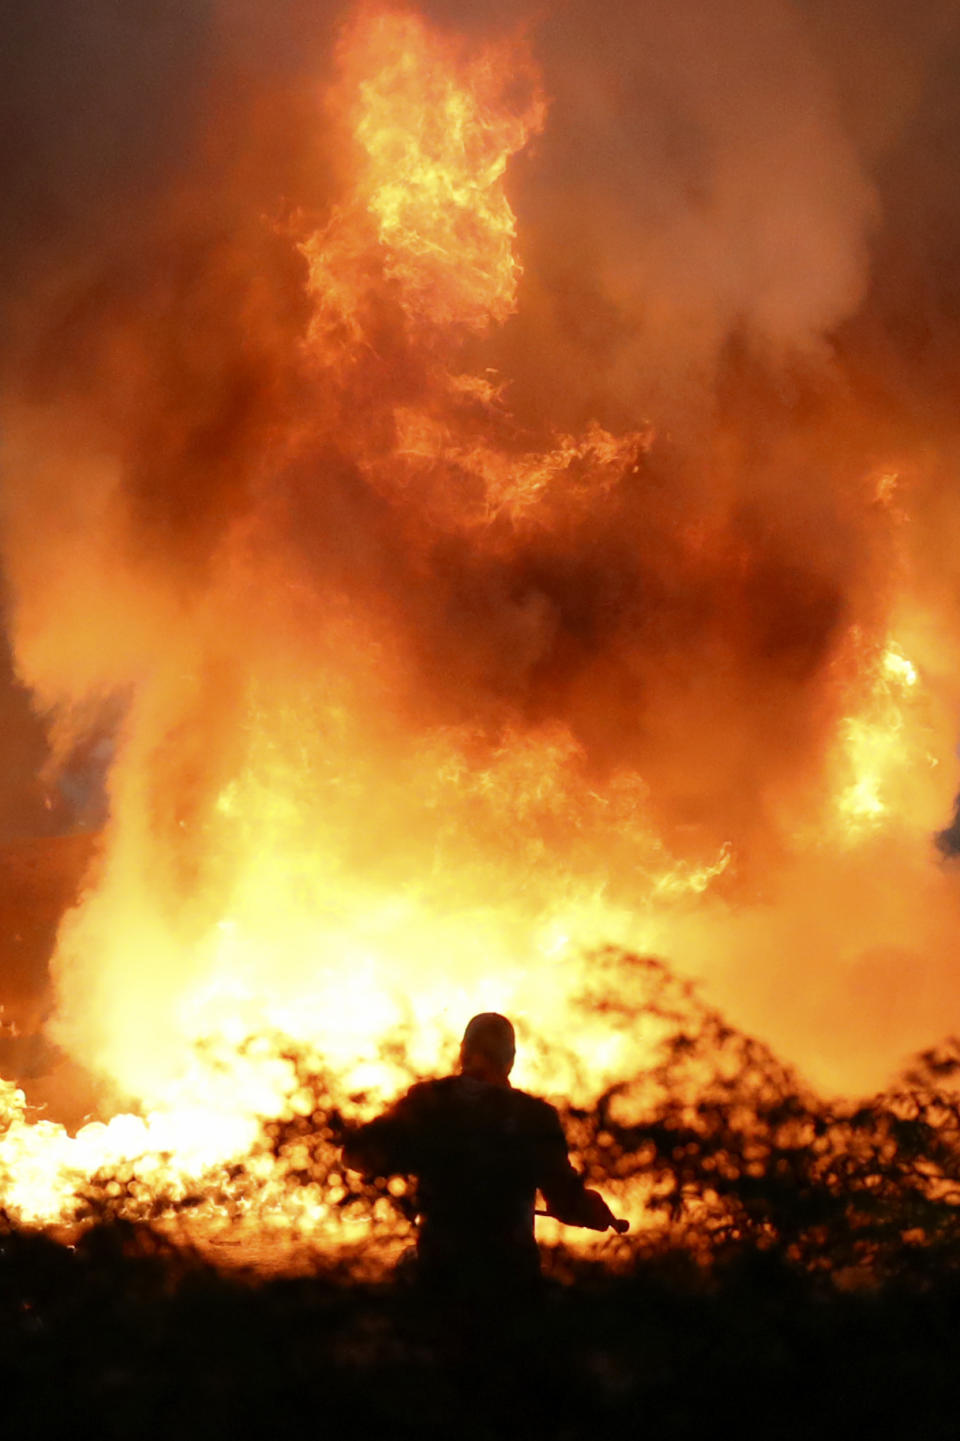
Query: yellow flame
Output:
(434,132)
(875,749)
(352,879)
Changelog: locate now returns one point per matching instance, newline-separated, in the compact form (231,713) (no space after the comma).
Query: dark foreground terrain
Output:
(124,1336)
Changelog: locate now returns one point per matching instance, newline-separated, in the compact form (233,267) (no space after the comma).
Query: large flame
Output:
(458,696)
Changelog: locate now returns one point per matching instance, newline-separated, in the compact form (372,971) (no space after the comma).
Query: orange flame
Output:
(433,128)
(309,839)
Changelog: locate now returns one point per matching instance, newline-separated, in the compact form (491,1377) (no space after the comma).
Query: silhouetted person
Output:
(480,1150)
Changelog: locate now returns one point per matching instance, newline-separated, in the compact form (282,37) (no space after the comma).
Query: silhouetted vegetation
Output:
(802,1274)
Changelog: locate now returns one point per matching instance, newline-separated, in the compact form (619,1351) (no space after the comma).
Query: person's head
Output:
(488,1047)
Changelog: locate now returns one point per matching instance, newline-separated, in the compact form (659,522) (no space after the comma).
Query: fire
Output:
(311,928)
(874,744)
(433,131)
(459,698)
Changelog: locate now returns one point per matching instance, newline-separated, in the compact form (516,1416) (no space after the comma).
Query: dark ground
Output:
(123,1337)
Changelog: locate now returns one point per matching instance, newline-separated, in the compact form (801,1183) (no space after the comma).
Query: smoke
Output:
(737,227)
(695,187)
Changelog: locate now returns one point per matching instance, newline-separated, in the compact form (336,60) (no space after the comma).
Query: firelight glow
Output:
(373,777)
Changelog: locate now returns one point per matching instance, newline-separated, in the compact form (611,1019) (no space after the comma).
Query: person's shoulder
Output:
(532,1102)
(536,1112)
(423,1095)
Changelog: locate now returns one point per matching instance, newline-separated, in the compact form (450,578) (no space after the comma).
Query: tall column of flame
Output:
(291,852)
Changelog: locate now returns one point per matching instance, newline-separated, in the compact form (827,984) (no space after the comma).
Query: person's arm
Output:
(564,1189)
(384,1146)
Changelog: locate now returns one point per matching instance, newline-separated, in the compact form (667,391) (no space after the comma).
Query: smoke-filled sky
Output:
(739,229)
(735,189)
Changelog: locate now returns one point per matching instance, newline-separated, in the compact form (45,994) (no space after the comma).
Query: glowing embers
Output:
(145,1163)
(227,1143)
